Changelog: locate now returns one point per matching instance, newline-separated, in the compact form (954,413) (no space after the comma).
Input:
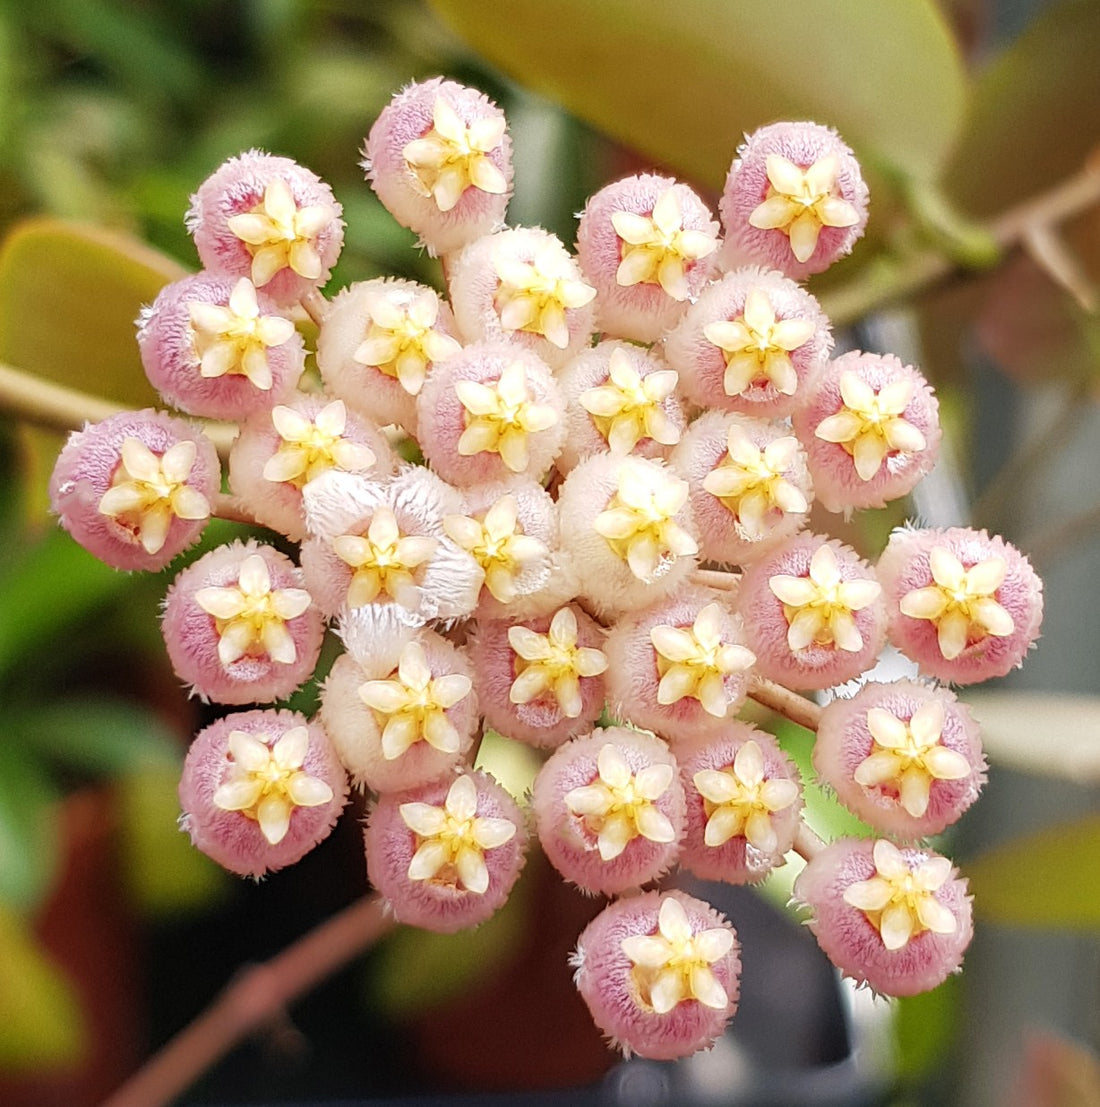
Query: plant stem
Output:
(789,704)
(806,843)
(253,998)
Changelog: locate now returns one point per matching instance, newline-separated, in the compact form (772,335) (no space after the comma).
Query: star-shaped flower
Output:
(234,340)
(628,408)
(909,756)
(251,616)
(500,416)
(553,663)
(619,805)
(415,704)
(402,339)
(311,447)
(535,295)
(751,482)
(961,603)
(673,965)
(819,607)
(740,800)
(657,249)
(757,346)
(453,839)
(148,491)
(453,157)
(280,235)
(695,662)
(384,560)
(800,201)
(900,899)
(869,425)
(266,782)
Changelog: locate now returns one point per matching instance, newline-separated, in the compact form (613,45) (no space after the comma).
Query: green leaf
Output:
(166,874)
(28,832)
(40,1019)
(925,1027)
(48,586)
(1035,112)
(682,81)
(96,736)
(69,296)
(417,969)
(1041,733)
(1043,879)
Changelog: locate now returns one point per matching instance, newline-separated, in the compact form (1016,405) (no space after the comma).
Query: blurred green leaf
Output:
(28,833)
(1035,112)
(69,296)
(681,82)
(1044,879)
(45,587)
(40,1020)
(924,1028)
(1040,733)
(96,736)
(165,873)
(417,969)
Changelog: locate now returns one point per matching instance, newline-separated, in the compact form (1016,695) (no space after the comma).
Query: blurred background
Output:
(980,265)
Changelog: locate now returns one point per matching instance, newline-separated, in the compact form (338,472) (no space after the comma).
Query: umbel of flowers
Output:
(603,555)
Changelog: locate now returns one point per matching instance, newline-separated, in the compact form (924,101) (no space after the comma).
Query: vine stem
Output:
(783,701)
(253,998)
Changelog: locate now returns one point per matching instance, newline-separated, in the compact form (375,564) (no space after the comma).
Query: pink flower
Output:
(135,489)
(647,244)
(523,285)
(750,489)
(378,342)
(239,626)
(440,159)
(540,681)
(870,427)
(609,808)
(280,451)
(446,856)
(905,757)
(896,919)
(660,974)
(794,200)
(214,346)
(679,667)
(753,342)
(813,612)
(744,805)
(401,718)
(619,397)
(269,219)
(490,413)
(964,606)
(260,789)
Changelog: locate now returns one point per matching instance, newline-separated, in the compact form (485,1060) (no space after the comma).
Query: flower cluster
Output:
(605,553)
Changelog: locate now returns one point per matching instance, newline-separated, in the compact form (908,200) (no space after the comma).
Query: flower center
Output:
(251,616)
(312,447)
(628,407)
(535,295)
(553,664)
(383,561)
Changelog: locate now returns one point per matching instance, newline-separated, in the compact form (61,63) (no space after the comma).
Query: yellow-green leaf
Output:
(40,1020)
(1035,112)
(682,81)
(1043,879)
